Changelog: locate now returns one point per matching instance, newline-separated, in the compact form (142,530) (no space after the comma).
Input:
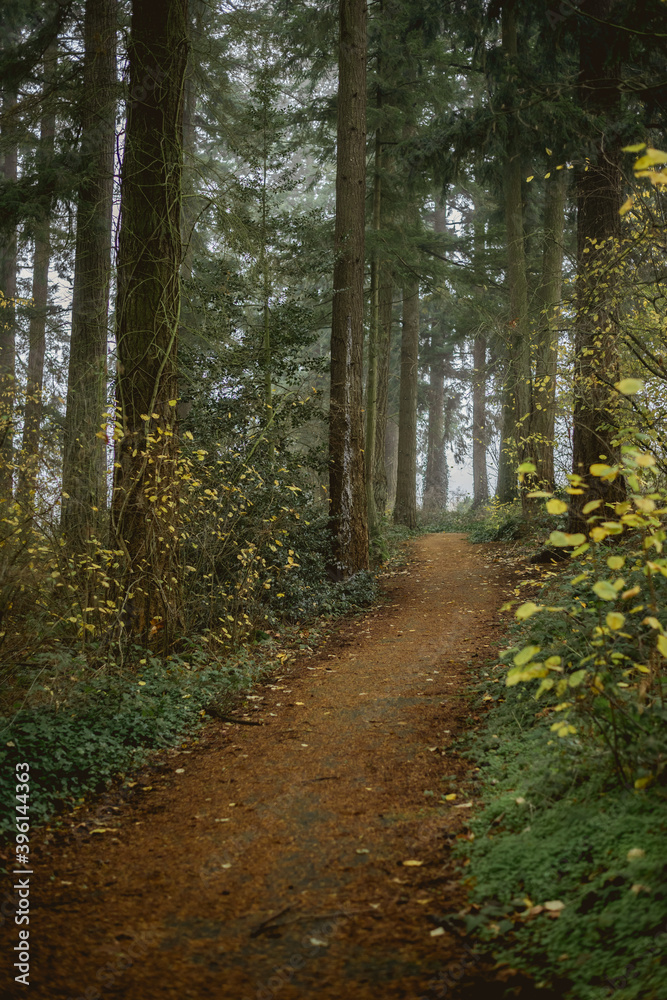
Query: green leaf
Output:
(604,590)
(576,678)
(629,386)
(527,467)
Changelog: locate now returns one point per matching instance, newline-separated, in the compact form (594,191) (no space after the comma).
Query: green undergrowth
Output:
(568,864)
(491,522)
(78,725)
(107,722)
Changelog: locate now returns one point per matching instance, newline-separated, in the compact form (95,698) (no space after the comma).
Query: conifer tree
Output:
(145,495)
(348,512)
(84,458)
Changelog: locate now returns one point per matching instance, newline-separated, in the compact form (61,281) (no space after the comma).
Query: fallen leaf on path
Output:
(438,932)
(450,797)
(554,905)
(179,770)
(319,944)
(464,805)
(412,863)
(362,850)
(103,829)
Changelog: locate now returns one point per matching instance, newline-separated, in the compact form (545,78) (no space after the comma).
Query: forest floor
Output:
(304,857)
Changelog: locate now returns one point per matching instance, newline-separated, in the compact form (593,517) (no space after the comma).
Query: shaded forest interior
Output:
(283,284)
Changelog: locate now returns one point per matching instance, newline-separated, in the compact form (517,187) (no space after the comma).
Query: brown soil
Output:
(270,861)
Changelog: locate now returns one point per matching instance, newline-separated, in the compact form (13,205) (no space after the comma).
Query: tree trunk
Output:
(599,196)
(405,506)
(386,309)
(145,496)
(391,461)
(85,442)
(373,342)
(546,356)
(8,324)
(435,478)
(32,420)
(347,491)
(517,390)
(480,488)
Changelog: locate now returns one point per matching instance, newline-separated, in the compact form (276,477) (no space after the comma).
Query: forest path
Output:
(270,861)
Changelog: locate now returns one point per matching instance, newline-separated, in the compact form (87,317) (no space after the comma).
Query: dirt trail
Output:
(269,861)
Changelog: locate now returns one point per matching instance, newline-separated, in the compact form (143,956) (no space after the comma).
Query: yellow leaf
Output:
(643,782)
(615,620)
(529,179)
(591,505)
(561,538)
(527,610)
(605,590)
(524,655)
(662,644)
(636,148)
(450,797)
(602,471)
(556,506)
(629,386)
(650,159)
(627,205)
(412,864)
(615,562)
(653,622)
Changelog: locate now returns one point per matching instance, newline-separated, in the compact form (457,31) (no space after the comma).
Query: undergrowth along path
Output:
(306,857)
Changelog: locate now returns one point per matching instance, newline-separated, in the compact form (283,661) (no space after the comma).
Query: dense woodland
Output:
(269,273)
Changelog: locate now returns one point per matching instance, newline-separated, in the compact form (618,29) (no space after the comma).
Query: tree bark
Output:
(479,476)
(543,422)
(436,475)
(405,506)
(373,344)
(386,310)
(145,497)
(347,491)
(599,196)
(517,389)
(85,441)
(391,461)
(32,420)
(8,321)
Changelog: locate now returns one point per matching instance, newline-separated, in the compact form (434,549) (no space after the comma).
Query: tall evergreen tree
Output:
(405,505)
(348,511)
(145,495)
(84,458)
(32,419)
